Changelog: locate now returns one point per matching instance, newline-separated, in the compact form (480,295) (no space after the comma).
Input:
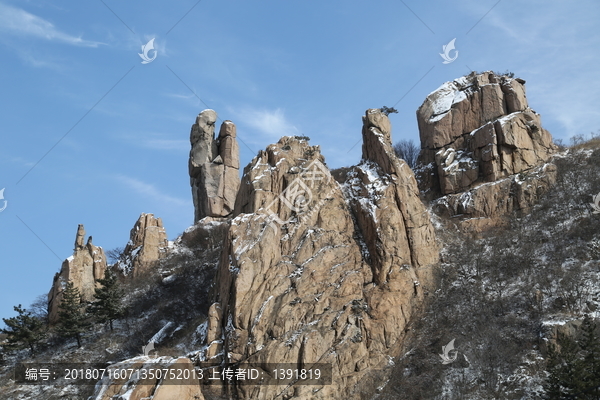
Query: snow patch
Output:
(446,95)
(160,335)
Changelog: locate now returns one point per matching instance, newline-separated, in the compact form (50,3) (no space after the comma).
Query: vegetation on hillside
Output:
(504,295)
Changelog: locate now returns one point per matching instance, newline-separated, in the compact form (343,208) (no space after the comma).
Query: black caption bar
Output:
(147,372)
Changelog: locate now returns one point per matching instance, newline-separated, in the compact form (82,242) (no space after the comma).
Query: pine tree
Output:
(108,305)
(574,372)
(24,330)
(72,320)
(571,377)
(552,386)
(388,110)
(590,346)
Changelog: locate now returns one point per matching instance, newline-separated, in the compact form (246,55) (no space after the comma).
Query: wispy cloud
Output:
(167,144)
(155,141)
(150,191)
(189,96)
(18,21)
(552,52)
(271,123)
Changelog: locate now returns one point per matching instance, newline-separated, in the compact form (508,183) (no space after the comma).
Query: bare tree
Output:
(114,255)
(408,151)
(39,307)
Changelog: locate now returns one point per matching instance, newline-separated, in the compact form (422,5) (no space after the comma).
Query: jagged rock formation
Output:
(314,271)
(147,244)
(400,225)
(213,166)
(87,264)
(476,130)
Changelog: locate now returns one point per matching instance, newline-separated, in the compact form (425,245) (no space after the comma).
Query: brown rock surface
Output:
(147,244)
(213,167)
(87,264)
(486,205)
(313,271)
(476,130)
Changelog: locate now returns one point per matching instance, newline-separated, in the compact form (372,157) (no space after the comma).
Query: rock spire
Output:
(87,264)
(213,167)
(147,244)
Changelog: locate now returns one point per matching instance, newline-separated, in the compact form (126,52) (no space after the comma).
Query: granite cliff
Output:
(314,271)
(484,152)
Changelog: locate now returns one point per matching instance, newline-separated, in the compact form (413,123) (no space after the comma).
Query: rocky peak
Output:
(314,271)
(79,237)
(213,167)
(480,129)
(202,139)
(385,197)
(267,175)
(87,264)
(377,139)
(147,244)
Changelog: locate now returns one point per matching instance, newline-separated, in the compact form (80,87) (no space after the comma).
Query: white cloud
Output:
(150,191)
(18,21)
(271,123)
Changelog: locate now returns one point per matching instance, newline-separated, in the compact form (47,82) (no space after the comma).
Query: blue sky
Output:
(90,135)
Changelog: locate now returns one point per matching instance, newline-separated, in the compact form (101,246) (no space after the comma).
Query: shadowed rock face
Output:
(213,166)
(87,264)
(147,244)
(479,129)
(314,271)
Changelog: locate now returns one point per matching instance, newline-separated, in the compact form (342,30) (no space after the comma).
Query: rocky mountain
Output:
(314,271)
(370,269)
(317,271)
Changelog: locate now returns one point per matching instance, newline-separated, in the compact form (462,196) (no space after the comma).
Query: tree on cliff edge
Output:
(24,330)
(408,151)
(109,297)
(72,320)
